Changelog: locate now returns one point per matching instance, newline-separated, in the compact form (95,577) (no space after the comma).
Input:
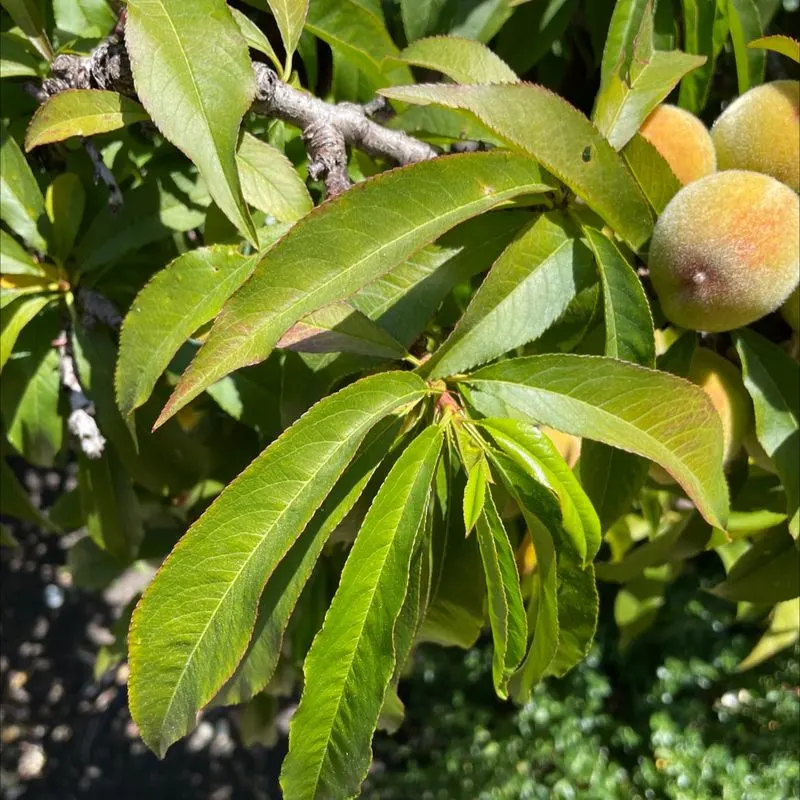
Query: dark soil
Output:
(65,735)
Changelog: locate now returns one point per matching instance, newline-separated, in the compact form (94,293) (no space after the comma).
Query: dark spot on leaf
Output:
(587,154)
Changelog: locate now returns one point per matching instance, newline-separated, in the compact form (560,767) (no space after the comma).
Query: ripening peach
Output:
(526,557)
(568,446)
(723,384)
(726,251)
(682,140)
(760,131)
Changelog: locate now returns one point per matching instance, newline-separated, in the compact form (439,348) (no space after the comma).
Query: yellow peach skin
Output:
(723,384)
(682,140)
(760,131)
(726,251)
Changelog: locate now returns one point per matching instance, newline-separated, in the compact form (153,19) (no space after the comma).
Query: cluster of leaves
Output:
(397,408)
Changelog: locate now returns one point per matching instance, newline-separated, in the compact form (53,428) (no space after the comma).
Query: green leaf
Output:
(21,202)
(455,614)
(628,322)
(283,588)
(81,112)
(421,17)
(27,15)
(784,45)
(64,202)
(773,380)
(540,513)
(526,290)
(15,259)
(701,24)
(151,212)
(769,572)
(506,609)
(196,95)
(290,16)
(15,317)
(630,94)
(618,50)
(339,328)
(367,231)
(612,479)
(480,19)
(534,30)
(677,542)
(475,493)
(15,502)
(29,395)
(270,181)
(745,25)
(578,611)
(652,172)
(403,300)
(352,660)
(463,60)
(17,58)
(649,413)
(84,18)
(360,36)
(7,538)
(195,285)
(204,591)
(110,505)
(524,116)
(254,36)
(534,453)
(783,632)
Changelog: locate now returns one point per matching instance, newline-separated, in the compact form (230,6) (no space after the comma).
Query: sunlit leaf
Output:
(283,589)
(463,60)
(196,95)
(14,318)
(210,585)
(525,116)
(652,172)
(652,414)
(632,92)
(506,610)
(270,181)
(290,16)
(81,112)
(255,37)
(785,45)
(351,662)
(367,231)
(21,201)
(526,290)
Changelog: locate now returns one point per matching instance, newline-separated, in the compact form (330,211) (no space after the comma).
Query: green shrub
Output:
(667,718)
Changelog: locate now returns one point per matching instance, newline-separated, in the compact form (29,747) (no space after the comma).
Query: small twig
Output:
(274,98)
(327,154)
(104,174)
(81,422)
(327,128)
